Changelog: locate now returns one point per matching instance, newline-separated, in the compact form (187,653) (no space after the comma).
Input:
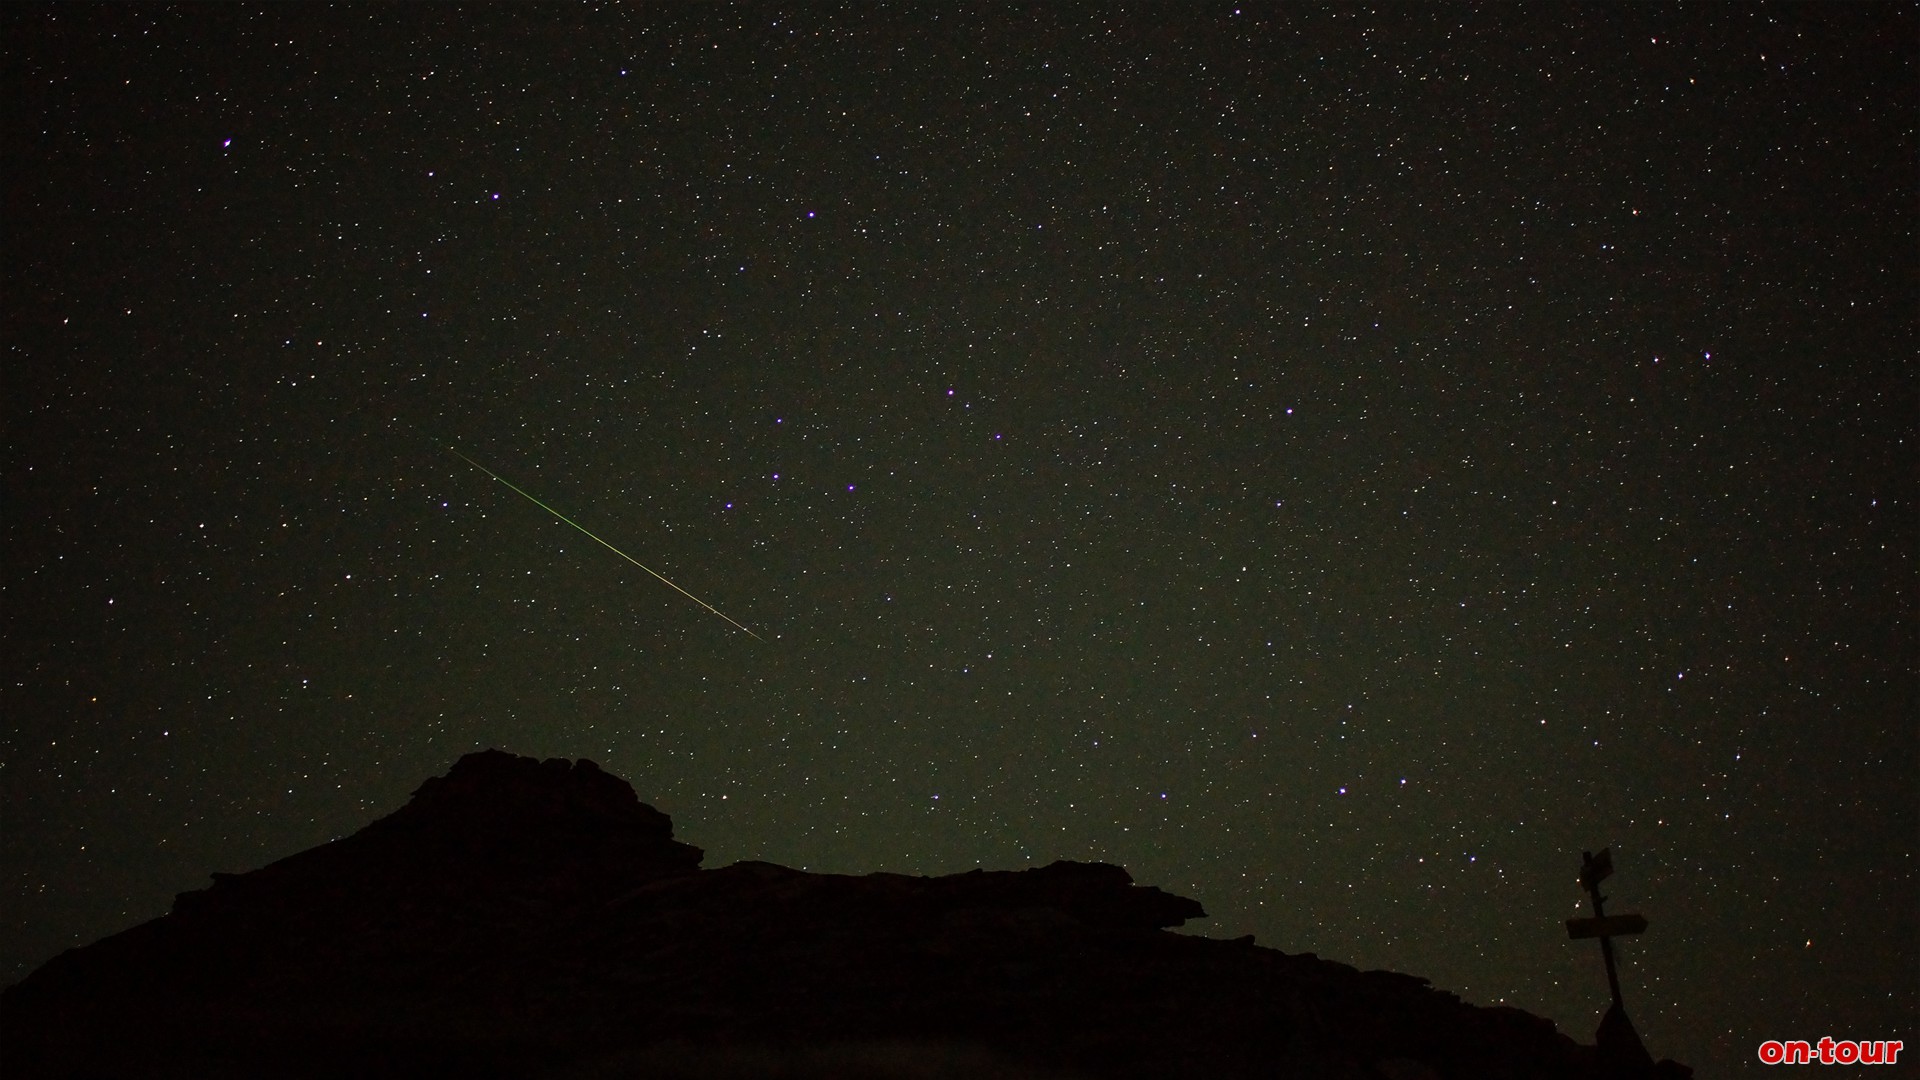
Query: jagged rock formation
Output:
(524,918)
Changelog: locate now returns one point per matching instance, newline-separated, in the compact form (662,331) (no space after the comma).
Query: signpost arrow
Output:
(1608,926)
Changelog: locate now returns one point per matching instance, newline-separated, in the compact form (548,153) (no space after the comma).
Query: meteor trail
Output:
(602,543)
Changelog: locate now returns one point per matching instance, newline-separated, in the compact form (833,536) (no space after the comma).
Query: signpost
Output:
(1621,1053)
(1593,870)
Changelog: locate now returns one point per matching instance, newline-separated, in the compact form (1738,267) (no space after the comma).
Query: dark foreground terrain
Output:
(525,918)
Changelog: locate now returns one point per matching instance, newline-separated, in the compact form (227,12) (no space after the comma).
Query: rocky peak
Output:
(493,788)
(497,827)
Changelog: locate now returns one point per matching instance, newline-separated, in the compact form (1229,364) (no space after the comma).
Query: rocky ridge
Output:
(521,918)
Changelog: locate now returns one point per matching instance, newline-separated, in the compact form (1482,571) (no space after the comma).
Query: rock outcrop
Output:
(520,918)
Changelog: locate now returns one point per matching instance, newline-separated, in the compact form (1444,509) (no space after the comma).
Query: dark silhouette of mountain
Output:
(525,918)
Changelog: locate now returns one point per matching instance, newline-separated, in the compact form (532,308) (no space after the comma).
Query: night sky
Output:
(1336,463)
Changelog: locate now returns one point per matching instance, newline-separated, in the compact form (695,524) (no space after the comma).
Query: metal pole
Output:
(1606,950)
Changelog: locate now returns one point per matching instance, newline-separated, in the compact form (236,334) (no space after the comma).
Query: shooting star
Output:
(523,494)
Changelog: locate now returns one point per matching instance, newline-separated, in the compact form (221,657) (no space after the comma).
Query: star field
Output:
(1337,463)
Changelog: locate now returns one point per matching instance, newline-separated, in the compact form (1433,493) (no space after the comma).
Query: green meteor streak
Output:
(523,494)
